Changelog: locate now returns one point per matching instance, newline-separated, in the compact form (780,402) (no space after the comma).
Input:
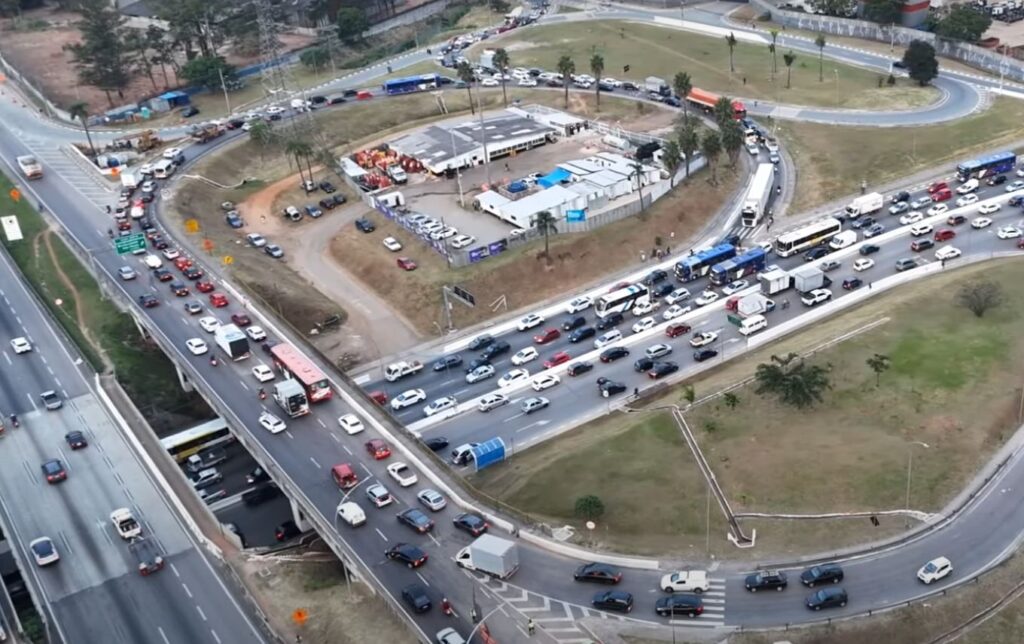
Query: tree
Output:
(788,58)
(683,85)
(589,507)
(689,394)
(842,8)
(920,61)
(352,23)
(80,111)
(731,41)
(301,150)
(963,22)
(878,363)
(545,223)
(638,170)
(792,381)
(207,71)
(671,159)
(979,296)
(711,147)
(732,140)
(820,42)
(499,6)
(315,58)
(566,67)
(723,111)
(730,399)
(771,48)
(501,60)
(688,138)
(597,69)
(263,135)
(465,74)
(884,12)
(163,51)
(102,58)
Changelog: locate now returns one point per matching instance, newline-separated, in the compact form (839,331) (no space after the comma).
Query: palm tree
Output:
(502,61)
(731,41)
(638,169)
(723,111)
(775,40)
(301,150)
(688,139)
(711,147)
(683,85)
(465,74)
(80,111)
(597,68)
(731,135)
(820,42)
(566,67)
(788,58)
(771,50)
(545,222)
(794,382)
(671,158)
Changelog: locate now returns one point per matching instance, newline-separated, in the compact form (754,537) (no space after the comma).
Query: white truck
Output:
(656,85)
(125,523)
(130,180)
(756,200)
(865,205)
(807,278)
(401,369)
(774,281)
(491,555)
(232,341)
(291,397)
(397,174)
(744,307)
(30,167)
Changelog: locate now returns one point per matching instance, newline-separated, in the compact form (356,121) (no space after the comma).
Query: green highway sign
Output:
(129,243)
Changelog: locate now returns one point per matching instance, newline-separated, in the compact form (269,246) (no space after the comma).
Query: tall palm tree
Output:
(465,74)
(683,85)
(820,42)
(771,50)
(775,40)
(671,158)
(688,138)
(788,58)
(731,41)
(566,67)
(597,68)
(638,169)
(723,111)
(501,60)
(711,147)
(545,222)
(300,150)
(80,111)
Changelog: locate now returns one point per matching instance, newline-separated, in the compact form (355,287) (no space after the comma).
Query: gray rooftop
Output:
(435,143)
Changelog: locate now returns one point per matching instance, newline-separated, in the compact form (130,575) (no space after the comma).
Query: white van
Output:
(163,169)
(753,324)
(843,239)
(611,336)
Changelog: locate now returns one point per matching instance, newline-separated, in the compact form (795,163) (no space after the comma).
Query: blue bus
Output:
(737,267)
(410,84)
(698,264)
(986,166)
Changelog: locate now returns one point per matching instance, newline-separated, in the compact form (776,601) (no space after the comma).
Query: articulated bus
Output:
(196,439)
(297,366)
(997,163)
(807,236)
(621,300)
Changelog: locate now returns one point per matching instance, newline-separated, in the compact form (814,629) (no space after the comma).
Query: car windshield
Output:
(42,548)
(930,567)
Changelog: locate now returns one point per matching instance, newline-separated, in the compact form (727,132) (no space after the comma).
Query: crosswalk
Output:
(73,169)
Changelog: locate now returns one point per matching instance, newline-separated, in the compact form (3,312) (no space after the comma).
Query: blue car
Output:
(874,231)
(234,220)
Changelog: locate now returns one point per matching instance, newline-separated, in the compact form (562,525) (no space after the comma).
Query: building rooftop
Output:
(435,144)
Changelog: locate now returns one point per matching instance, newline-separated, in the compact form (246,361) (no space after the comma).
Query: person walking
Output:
(531,627)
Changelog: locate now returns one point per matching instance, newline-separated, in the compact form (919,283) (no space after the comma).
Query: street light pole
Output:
(910,469)
(481,623)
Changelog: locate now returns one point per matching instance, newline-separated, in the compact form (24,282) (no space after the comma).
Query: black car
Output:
(956,220)
(610,321)
(643,364)
(147,197)
(407,553)
(1016,201)
(365,225)
(190,110)
(614,353)
(148,300)
(258,475)
(902,195)
(815,253)
(476,362)
(597,572)
(609,388)
(867,249)
(829,573)
(416,596)
(471,523)
(287,530)
(853,283)
(766,580)
(437,443)
(318,100)
(480,342)
(673,101)
(350,92)
(327,204)
(574,322)
(261,494)
(679,604)
(416,520)
(863,222)
(496,349)
(338,198)
(582,334)
(327,187)
(578,368)
(447,362)
(656,276)
(616,600)
(704,354)
(76,439)
(997,180)
(827,598)
(662,369)
(663,290)
(336,99)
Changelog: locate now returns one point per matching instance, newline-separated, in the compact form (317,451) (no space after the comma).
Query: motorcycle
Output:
(262,394)
(446,607)
(213,361)
(14,420)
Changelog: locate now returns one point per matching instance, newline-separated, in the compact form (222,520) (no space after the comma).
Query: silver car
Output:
(533,404)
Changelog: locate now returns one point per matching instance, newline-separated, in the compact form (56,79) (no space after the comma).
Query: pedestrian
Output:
(755,103)
(869,286)
(507,168)
(668,250)
(108,209)
(531,627)
(744,80)
(636,392)
(778,190)
(643,257)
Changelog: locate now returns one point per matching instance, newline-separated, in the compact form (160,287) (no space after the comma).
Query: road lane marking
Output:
(422,578)
(382,535)
(187,591)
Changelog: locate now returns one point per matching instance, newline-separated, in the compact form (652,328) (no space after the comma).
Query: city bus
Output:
(196,439)
(813,234)
(699,263)
(621,300)
(410,84)
(297,366)
(984,167)
(749,262)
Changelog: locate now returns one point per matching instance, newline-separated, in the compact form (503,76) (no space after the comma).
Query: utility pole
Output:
(483,131)
(223,86)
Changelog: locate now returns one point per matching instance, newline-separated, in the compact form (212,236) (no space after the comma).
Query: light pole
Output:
(910,469)
(481,623)
(837,85)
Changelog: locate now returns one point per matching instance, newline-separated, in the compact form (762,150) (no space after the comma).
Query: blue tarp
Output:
(175,99)
(555,178)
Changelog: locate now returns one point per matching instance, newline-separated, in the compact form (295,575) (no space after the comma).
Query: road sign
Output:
(15,194)
(228,260)
(191,225)
(464,296)
(129,243)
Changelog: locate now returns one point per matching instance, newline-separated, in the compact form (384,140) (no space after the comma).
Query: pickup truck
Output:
(205,459)
(401,369)
(30,167)
(125,524)
(149,558)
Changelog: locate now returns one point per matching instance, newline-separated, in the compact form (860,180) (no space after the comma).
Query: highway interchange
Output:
(543,589)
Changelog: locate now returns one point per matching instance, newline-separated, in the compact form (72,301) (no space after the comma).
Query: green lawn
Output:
(657,51)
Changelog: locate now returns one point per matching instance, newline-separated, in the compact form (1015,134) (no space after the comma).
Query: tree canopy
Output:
(920,61)
(207,70)
(962,22)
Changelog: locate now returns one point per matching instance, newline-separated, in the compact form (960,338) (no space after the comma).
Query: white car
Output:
(461,241)
(643,308)
(172,153)
(403,474)
(1016,185)
(677,296)
(513,377)
(272,423)
(935,570)
(920,229)
(392,244)
(256,240)
(263,373)
(170,253)
(491,401)
(981,222)
(351,424)
(947,253)
(527,82)
(379,495)
(407,398)
(703,339)
(753,149)
(579,304)
(911,217)
(432,499)
(967,200)
(989,208)
(483,372)
(21,345)
(707,297)
(444,233)
(659,350)
(686,581)
(351,513)
(817,296)
(439,405)
(525,355)
(1008,232)
(937,209)
(449,636)
(209,324)
(196,346)
(545,381)
(256,333)
(529,322)
(863,264)
(152,261)
(735,287)
(643,324)
(675,311)
(968,186)
(490,82)
(275,109)
(44,551)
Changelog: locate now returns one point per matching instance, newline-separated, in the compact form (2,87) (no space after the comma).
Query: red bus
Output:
(288,359)
(706,100)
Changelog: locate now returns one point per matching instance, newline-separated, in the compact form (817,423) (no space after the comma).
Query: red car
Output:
(944,234)
(124,224)
(379,397)
(406,264)
(943,194)
(204,287)
(241,319)
(181,263)
(218,300)
(557,359)
(547,336)
(935,187)
(378,449)
(676,330)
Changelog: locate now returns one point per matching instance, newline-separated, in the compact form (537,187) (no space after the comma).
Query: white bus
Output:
(195,439)
(807,236)
(621,300)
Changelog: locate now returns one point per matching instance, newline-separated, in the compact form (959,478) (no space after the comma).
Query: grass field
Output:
(826,168)
(656,51)
(953,384)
